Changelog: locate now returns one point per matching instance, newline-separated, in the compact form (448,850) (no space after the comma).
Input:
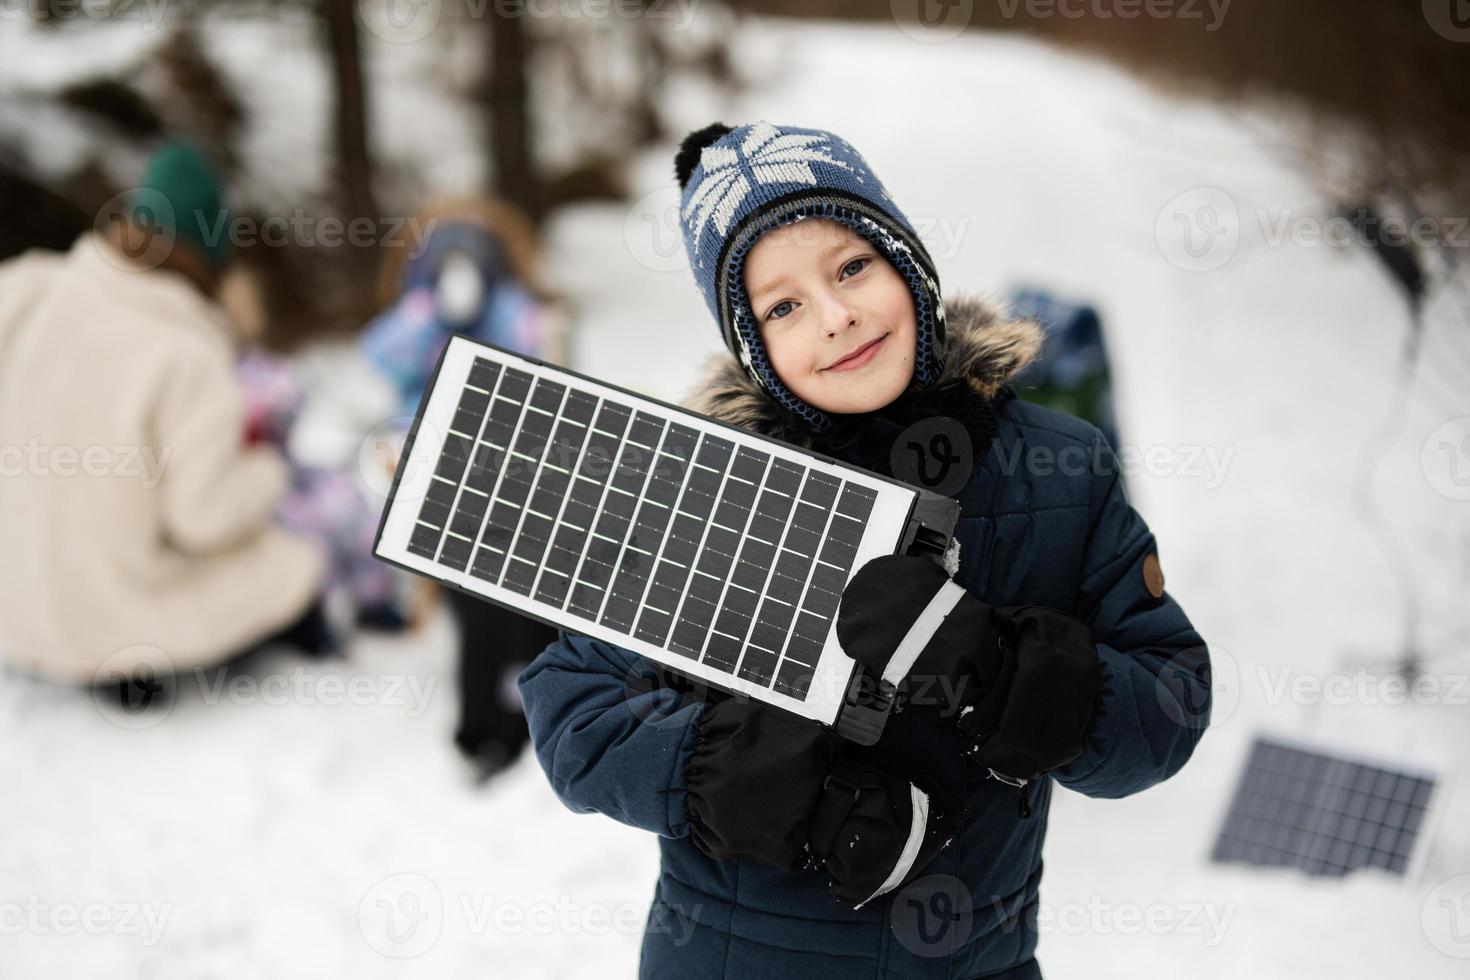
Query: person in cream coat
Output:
(135,523)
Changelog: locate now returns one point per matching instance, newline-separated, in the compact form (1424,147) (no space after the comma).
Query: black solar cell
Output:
(1322,813)
(604,510)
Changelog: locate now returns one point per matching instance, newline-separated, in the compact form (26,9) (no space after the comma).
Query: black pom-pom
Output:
(688,156)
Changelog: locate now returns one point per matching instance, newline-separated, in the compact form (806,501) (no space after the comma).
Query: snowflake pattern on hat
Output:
(765,156)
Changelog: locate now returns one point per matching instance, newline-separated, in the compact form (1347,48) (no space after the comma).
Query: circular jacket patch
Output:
(1153,575)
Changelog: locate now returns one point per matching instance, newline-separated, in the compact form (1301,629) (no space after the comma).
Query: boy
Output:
(1054,653)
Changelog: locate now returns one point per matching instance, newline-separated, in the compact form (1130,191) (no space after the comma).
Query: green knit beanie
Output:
(180,195)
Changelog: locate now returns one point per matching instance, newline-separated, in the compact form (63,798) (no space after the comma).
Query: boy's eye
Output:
(861,263)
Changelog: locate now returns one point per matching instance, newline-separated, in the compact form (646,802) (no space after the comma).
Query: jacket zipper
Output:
(1023,791)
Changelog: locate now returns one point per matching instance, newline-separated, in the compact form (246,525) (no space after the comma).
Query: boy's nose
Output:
(839,316)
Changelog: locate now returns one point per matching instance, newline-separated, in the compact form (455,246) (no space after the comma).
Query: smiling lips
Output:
(859,357)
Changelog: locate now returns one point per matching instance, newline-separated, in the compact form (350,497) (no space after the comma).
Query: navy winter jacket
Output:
(1044,521)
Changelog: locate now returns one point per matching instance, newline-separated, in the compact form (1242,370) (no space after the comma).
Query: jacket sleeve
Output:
(215,492)
(1155,699)
(608,741)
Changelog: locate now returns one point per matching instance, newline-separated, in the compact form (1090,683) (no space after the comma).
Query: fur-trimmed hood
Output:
(986,347)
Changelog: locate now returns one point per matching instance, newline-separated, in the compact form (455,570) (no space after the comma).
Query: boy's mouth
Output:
(857,358)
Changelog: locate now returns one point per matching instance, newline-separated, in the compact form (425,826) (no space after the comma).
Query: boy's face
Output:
(821,292)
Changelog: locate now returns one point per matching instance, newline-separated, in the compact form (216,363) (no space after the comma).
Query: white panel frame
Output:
(834,669)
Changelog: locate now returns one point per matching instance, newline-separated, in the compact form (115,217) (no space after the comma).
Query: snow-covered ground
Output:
(288,827)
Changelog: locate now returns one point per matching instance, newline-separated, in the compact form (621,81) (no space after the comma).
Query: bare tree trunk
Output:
(349,120)
(508,96)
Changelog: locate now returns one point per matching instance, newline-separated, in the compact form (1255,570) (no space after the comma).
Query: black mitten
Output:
(875,831)
(1021,681)
(753,781)
(913,627)
(1035,718)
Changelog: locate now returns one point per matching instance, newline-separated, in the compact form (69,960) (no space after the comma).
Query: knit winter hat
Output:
(180,177)
(737,184)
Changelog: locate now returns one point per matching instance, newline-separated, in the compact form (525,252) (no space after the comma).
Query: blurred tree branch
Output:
(1382,76)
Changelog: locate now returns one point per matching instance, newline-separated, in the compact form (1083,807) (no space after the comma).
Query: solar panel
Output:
(1323,812)
(715,551)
